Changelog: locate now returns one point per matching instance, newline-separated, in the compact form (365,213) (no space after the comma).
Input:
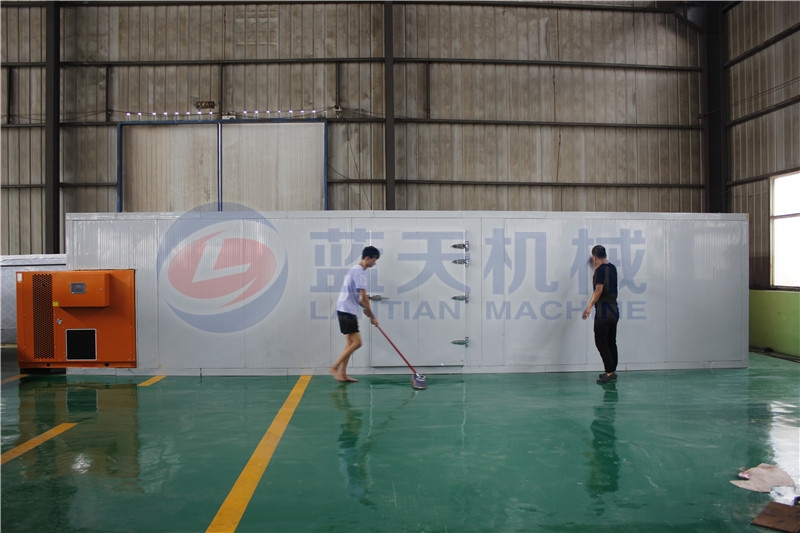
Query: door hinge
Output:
(461,246)
(461,298)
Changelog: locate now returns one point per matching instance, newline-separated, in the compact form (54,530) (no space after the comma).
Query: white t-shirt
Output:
(354,281)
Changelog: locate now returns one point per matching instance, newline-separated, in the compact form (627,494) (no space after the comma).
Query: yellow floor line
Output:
(154,379)
(232,509)
(13,378)
(34,442)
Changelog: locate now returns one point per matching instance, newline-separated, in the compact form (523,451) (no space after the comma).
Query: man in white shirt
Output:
(352,296)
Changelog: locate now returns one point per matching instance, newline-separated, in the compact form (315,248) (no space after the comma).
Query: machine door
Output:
(420,298)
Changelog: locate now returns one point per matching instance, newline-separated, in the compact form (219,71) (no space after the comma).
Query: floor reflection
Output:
(784,437)
(99,454)
(352,453)
(108,427)
(604,462)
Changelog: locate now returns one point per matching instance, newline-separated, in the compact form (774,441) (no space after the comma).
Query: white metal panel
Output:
(490,344)
(126,241)
(543,297)
(9,266)
(637,247)
(701,257)
(418,276)
(274,166)
(537,283)
(298,333)
(254,293)
(169,168)
(219,274)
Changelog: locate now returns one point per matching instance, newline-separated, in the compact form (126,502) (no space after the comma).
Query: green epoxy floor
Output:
(506,452)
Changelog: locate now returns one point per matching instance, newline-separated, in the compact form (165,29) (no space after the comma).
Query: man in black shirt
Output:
(606,316)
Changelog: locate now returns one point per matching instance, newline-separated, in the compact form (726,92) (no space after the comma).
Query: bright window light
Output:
(785,220)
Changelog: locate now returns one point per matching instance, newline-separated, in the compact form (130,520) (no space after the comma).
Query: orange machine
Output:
(76,319)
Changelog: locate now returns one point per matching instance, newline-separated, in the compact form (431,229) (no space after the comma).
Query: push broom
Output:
(417,380)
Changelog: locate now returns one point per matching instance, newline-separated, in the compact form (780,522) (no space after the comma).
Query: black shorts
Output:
(347,323)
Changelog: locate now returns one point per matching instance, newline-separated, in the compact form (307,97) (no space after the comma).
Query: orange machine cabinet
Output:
(76,319)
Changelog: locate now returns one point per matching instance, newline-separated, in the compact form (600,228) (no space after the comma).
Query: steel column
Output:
(52,177)
(388,45)
(717,105)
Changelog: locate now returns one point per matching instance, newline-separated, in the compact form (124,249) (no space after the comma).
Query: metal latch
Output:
(461,342)
(378,298)
(461,246)
(464,261)
(461,298)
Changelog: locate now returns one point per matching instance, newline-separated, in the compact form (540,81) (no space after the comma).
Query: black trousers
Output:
(605,338)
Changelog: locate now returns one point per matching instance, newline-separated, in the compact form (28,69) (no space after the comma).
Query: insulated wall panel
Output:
(9,266)
(702,254)
(268,166)
(248,292)
(169,168)
(274,167)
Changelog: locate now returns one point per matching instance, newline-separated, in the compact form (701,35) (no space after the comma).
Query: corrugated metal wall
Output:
(22,141)
(584,107)
(547,108)
(498,107)
(763,71)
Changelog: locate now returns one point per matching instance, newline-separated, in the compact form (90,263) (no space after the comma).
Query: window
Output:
(785,222)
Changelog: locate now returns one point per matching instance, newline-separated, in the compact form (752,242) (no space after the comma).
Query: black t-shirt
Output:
(606,275)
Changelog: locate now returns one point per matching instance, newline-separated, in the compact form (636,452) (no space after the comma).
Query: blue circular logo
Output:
(222,271)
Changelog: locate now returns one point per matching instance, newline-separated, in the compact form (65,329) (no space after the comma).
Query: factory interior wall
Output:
(775,321)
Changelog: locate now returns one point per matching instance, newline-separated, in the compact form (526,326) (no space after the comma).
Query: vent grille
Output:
(43,337)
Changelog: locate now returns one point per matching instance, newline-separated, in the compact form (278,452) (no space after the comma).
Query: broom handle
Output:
(396,348)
